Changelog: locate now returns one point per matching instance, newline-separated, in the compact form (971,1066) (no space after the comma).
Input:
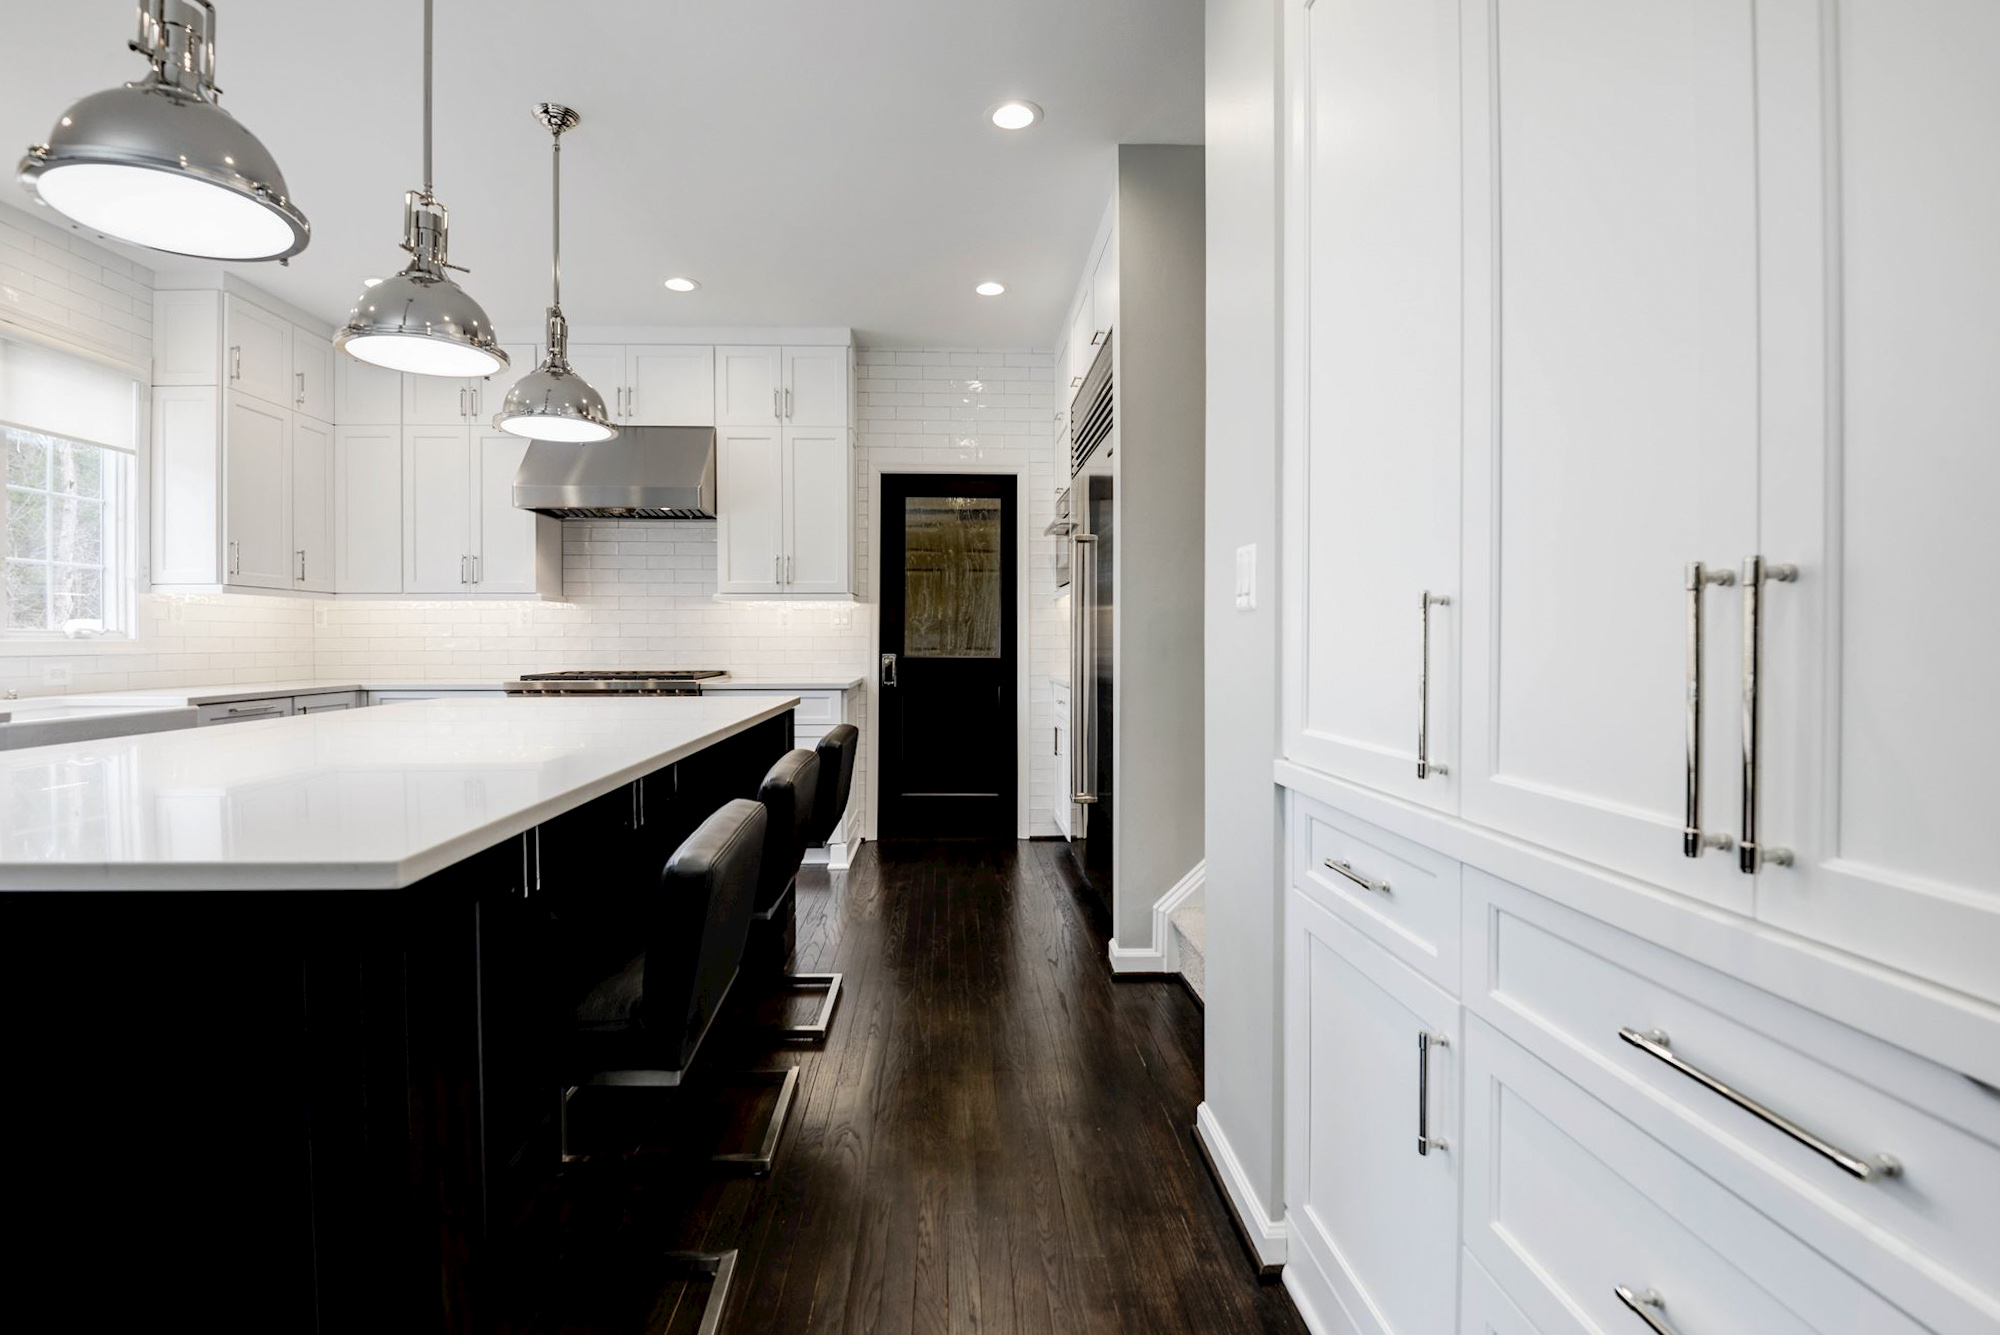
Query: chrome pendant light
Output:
(421,321)
(553,402)
(160,164)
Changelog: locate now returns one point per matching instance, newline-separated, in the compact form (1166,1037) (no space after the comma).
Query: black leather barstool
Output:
(836,753)
(642,1026)
(790,794)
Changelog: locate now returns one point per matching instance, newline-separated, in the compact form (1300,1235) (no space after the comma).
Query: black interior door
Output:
(948,655)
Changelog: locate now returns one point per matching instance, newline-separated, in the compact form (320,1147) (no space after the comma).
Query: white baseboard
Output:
(1269,1237)
(1164,955)
(836,856)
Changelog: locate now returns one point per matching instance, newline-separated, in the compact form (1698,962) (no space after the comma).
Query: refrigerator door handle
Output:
(1083,694)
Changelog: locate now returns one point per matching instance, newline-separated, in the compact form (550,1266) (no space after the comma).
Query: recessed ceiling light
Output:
(1015,115)
(682,285)
(990,289)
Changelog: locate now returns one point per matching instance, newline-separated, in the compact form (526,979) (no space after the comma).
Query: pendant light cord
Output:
(427,99)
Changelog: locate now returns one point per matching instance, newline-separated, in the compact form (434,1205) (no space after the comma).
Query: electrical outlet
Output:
(1246,578)
(55,674)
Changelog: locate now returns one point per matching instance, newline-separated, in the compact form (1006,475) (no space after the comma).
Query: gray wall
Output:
(1161,439)
(1245,955)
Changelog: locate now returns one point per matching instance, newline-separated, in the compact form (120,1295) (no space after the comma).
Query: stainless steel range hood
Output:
(644,472)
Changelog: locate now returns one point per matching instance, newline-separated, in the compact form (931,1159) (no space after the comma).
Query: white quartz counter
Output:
(735,683)
(265,690)
(358,799)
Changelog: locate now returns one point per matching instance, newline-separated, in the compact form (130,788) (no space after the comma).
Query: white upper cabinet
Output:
(256,494)
(816,510)
(1612,310)
(312,505)
(510,542)
(1881,723)
(312,373)
(1373,517)
(750,509)
(437,510)
(257,352)
(187,338)
(602,366)
(666,385)
(435,400)
(368,509)
(747,388)
(1104,288)
(1082,341)
(186,484)
(365,395)
(814,386)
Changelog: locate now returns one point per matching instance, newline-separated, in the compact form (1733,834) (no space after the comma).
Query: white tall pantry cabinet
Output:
(1653,343)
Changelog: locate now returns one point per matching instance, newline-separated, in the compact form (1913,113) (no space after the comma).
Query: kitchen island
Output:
(276,996)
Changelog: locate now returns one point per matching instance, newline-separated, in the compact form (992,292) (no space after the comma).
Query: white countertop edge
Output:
(250,877)
(736,683)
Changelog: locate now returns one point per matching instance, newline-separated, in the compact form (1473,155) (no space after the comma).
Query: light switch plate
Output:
(1246,578)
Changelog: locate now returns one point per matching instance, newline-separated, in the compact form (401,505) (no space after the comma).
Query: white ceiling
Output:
(811,162)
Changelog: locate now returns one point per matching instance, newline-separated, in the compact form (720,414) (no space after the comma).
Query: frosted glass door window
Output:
(952,576)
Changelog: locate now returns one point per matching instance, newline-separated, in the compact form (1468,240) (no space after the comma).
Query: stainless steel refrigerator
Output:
(1093,606)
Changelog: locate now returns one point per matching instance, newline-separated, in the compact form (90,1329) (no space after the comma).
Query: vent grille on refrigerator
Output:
(1090,417)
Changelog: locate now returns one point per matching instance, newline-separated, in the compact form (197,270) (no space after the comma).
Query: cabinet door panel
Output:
(816,511)
(312,374)
(187,485)
(1611,417)
(506,546)
(185,344)
(746,386)
(256,494)
(602,365)
(671,386)
(437,490)
(1377,1221)
(257,352)
(368,509)
(1104,287)
(815,382)
(1881,721)
(312,505)
(1376,517)
(366,395)
(750,509)
(435,400)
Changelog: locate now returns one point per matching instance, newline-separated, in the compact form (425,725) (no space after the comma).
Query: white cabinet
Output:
(817,511)
(806,386)
(1374,511)
(430,400)
(312,504)
(669,386)
(326,702)
(750,509)
(1371,1149)
(1082,340)
(187,337)
(186,484)
(437,510)
(256,493)
(1104,289)
(746,387)
(602,366)
(257,352)
(312,374)
(782,511)
(461,532)
(814,386)
(243,711)
(368,509)
(365,395)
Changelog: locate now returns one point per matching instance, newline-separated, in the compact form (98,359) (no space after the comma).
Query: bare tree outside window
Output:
(64,530)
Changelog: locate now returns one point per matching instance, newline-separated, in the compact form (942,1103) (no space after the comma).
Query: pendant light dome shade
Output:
(160,164)
(553,402)
(421,321)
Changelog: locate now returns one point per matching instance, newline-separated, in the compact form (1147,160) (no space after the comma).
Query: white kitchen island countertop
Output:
(358,799)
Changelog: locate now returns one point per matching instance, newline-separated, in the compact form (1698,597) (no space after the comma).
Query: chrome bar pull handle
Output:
(1693,840)
(1346,869)
(1426,1142)
(774,403)
(1655,1044)
(1751,854)
(1425,765)
(1084,749)
(1648,1306)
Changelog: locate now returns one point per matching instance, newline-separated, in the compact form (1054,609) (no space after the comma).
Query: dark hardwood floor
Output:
(996,1136)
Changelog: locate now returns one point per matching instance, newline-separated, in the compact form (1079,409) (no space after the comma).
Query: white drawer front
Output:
(1401,894)
(1566,1202)
(1565,986)
(815,707)
(243,711)
(324,701)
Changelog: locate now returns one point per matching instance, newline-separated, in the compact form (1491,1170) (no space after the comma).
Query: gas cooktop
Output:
(663,681)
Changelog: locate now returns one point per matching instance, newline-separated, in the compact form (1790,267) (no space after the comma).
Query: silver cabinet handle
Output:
(888,669)
(788,403)
(476,396)
(791,571)
(1654,1044)
(1426,1142)
(301,555)
(1693,840)
(235,556)
(247,711)
(777,570)
(1751,855)
(236,362)
(1347,869)
(1648,1306)
(302,387)
(774,403)
(465,570)
(1425,765)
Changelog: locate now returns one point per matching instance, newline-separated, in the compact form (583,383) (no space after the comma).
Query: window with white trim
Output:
(69,427)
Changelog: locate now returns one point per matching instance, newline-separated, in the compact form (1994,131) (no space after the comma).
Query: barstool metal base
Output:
(813,1031)
(720,1267)
(756,1162)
